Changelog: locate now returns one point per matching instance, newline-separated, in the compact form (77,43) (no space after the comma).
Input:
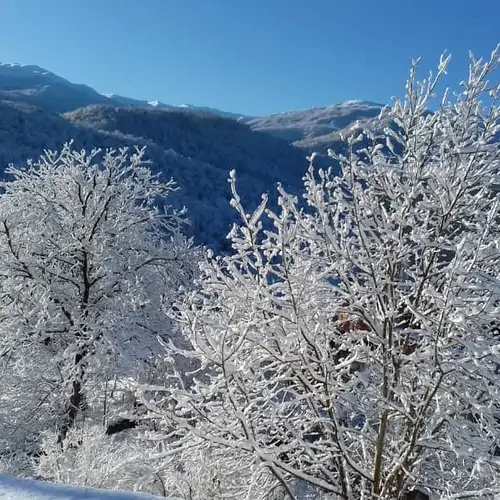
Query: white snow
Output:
(25,68)
(352,102)
(12,65)
(27,489)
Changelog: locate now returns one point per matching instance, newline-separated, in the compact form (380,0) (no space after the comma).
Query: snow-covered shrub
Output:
(204,471)
(90,457)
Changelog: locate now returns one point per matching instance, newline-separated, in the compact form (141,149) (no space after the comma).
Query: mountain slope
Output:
(37,86)
(197,150)
(221,142)
(295,126)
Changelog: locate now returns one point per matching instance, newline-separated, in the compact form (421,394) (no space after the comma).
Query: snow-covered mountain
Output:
(314,123)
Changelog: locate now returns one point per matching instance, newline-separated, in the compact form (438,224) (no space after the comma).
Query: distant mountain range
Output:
(197,146)
(42,88)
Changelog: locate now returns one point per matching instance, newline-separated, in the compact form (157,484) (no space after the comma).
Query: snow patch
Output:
(12,488)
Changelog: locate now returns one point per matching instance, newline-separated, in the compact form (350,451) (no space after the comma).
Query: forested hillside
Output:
(196,149)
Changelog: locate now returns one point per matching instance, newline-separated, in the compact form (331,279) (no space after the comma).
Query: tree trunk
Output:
(76,400)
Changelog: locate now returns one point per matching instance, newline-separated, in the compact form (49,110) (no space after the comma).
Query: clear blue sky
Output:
(249,56)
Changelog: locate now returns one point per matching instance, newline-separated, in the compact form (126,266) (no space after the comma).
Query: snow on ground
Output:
(26,489)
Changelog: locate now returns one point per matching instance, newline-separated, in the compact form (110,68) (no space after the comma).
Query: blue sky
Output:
(249,56)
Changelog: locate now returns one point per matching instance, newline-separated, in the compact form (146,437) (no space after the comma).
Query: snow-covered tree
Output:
(200,470)
(90,255)
(354,346)
(90,457)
